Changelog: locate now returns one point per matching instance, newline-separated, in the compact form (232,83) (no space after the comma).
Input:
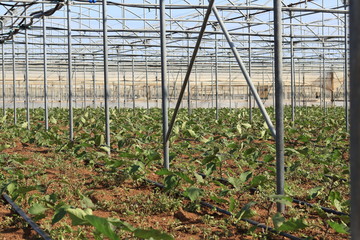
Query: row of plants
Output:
(55,180)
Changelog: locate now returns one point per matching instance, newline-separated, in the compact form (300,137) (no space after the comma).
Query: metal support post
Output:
(250,66)
(84,92)
(46,116)
(3,74)
(346,94)
(118,85)
(188,86)
(27,77)
(14,74)
(187,76)
(71,114)
(94,81)
(106,77)
(147,83)
(280,180)
(216,78)
(163,85)
(133,78)
(354,118)
(245,73)
(292,70)
(230,84)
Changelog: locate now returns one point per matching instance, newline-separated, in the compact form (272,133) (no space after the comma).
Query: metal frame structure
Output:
(52,40)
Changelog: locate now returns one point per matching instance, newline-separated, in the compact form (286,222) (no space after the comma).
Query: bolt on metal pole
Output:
(346,94)
(163,84)
(106,76)
(46,116)
(354,117)
(70,97)
(14,73)
(245,73)
(27,77)
(292,70)
(280,179)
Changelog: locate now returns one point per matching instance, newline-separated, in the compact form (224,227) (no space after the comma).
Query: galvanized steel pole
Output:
(118,85)
(27,77)
(70,97)
(245,73)
(280,180)
(188,86)
(106,76)
(14,73)
(3,74)
(292,70)
(216,78)
(354,117)
(147,83)
(133,78)
(188,72)
(250,66)
(346,94)
(163,85)
(46,116)
(94,81)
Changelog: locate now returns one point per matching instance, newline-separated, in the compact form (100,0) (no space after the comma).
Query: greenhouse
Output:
(154,119)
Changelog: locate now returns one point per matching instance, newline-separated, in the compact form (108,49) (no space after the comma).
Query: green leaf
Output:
(209,168)
(86,202)
(245,176)
(268,158)
(103,226)
(218,200)
(199,178)
(246,211)
(232,204)
(193,193)
(192,133)
(78,215)
(338,227)
(282,199)
(258,180)
(236,182)
(123,225)
(99,140)
(314,192)
(292,225)
(249,151)
(246,125)
(163,172)
(185,177)
(37,209)
(152,234)
(278,220)
(53,120)
(153,156)
(59,214)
